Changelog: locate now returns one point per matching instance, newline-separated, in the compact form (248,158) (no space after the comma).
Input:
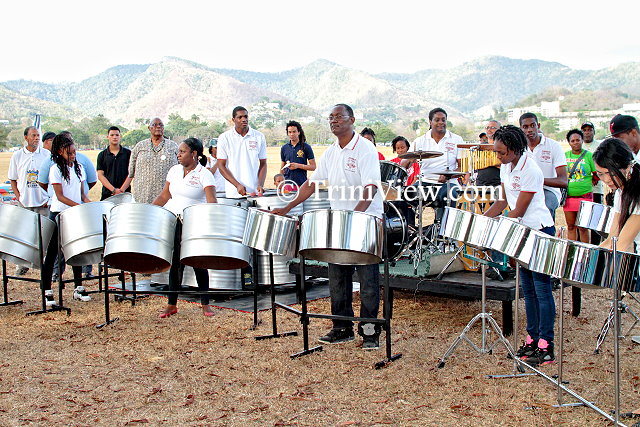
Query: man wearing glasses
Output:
(490,175)
(350,163)
(150,161)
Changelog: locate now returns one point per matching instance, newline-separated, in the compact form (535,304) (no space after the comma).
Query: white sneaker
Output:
(80,294)
(48,297)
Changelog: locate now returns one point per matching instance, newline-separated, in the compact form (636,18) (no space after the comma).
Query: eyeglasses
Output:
(336,118)
(491,128)
(156,125)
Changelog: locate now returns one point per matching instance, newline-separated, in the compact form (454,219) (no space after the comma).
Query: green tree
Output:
(132,137)
(4,134)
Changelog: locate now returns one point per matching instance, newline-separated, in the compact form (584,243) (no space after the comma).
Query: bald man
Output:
(150,161)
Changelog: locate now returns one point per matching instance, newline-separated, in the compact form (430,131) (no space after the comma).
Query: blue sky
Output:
(72,40)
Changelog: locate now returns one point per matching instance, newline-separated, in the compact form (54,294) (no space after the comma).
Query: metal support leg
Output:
(274,319)
(304,318)
(5,282)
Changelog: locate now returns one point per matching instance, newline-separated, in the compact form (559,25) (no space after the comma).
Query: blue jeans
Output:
(539,304)
(552,202)
(341,291)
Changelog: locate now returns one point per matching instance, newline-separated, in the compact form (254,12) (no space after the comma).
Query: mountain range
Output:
(126,92)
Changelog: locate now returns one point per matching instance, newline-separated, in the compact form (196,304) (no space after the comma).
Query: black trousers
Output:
(177,270)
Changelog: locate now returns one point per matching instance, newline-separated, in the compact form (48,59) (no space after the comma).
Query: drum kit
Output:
(404,237)
(575,263)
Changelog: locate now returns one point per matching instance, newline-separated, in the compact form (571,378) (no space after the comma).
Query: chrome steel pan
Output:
(481,231)
(81,232)
(585,265)
(318,200)
(548,254)
(270,233)
(140,238)
(455,223)
(273,201)
(341,237)
(121,198)
(19,235)
(212,237)
(595,216)
(514,239)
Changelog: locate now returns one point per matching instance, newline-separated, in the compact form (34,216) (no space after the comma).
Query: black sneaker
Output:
(542,356)
(528,349)
(337,336)
(371,342)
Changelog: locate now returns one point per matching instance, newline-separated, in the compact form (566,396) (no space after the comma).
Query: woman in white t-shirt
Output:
(617,168)
(66,177)
(189,182)
(522,185)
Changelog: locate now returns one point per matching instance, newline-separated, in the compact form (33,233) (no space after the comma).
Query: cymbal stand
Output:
(488,324)
(624,308)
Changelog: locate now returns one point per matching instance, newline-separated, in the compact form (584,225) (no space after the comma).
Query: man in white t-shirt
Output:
(350,163)
(242,157)
(24,168)
(439,139)
(550,157)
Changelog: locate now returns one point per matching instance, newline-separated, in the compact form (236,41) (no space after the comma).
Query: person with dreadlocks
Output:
(66,177)
(617,168)
(522,184)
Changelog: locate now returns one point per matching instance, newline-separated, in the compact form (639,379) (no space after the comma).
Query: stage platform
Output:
(453,284)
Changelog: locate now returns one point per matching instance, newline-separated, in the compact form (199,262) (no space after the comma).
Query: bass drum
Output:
(397,230)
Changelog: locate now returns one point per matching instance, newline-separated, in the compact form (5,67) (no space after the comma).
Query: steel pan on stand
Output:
(547,255)
(318,200)
(81,231)
(20,238)
(140,238)
(121,198)
(341,237)
(212,237)
(595,217)
(514,239)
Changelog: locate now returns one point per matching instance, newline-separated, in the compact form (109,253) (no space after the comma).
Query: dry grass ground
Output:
(191,370)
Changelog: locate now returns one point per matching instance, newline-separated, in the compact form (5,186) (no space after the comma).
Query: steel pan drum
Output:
(318,200)
(212,237)
(81,232)
(455,223)
(514,239)
(242,202)
(140,238)
(19,235)
(627,274)
(481,231)
(274,201)
(121,198)
(341,237)
(548,255)
(586,265)
(281,273)
(270,233)
(595,216)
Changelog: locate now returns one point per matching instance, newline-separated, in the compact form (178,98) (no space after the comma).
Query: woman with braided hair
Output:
(522,185)
(66,176)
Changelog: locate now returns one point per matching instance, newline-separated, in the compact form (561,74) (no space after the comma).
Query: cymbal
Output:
(420,155)
(449,173)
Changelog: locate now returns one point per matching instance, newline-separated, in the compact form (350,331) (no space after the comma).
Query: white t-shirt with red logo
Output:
(243,155)
(549,155)
(448,145)
(526,177)
(348,170)
(187,190)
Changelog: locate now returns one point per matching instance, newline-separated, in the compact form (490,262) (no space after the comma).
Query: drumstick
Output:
(286,166)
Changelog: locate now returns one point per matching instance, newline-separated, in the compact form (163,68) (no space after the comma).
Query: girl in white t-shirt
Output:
(522,184)
(617,168)
(66,177)
(188,183)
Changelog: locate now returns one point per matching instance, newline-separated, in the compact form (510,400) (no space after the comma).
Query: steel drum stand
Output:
(623,308)
(488,323)
(274,305)
(60,306)
(558,381)
(387,299)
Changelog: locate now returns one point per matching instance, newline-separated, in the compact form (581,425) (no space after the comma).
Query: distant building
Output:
(572,119)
